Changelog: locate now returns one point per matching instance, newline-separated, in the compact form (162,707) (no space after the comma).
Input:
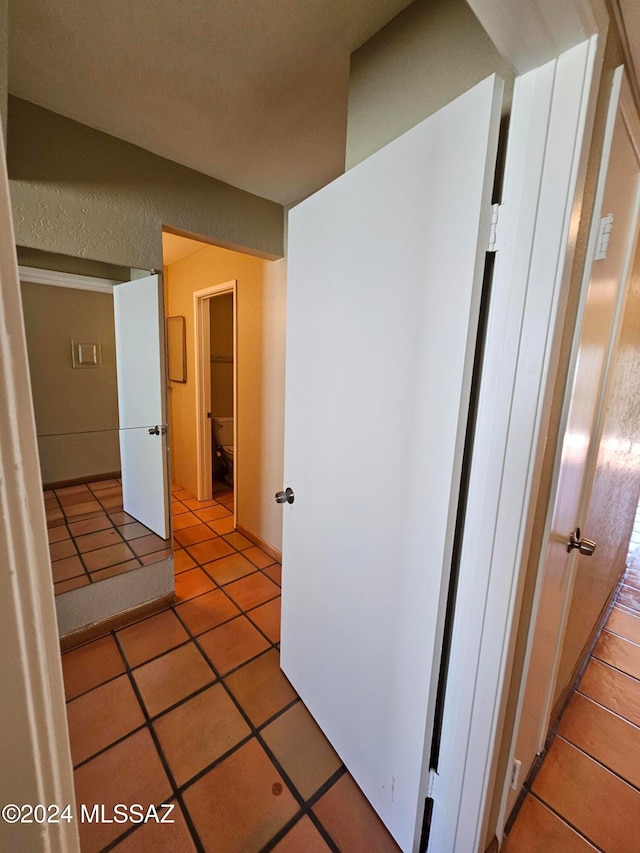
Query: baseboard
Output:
(81,481)
(94,604)
(114,623)
(562,702)
(269,549)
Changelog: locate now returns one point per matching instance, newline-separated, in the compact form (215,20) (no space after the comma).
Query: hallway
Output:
(189,707)
(586,795)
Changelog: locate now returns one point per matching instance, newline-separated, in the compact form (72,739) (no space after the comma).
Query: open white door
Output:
(385,277)
(137,309)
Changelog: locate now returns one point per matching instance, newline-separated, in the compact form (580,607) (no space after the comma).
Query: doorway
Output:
(214,310)
(197,275)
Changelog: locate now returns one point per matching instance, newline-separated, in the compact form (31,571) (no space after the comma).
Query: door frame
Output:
(547,152)
(621,100)
(202,361)
(34,738)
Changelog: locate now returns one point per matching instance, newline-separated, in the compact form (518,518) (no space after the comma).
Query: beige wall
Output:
(261,302)
(77,191)
(428,55)
(76,409)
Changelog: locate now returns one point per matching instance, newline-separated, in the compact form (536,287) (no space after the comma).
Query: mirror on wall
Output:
(96,361)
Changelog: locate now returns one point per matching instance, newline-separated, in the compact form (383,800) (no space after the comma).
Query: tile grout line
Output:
(159,751)
(600,704)
(256,732)
(565,821)
(304,806)
(599,762)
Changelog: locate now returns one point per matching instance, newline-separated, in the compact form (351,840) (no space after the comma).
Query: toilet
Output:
(224,444)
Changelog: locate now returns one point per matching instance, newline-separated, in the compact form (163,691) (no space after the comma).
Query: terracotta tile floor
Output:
(190,707)
(91,538)
(586,795)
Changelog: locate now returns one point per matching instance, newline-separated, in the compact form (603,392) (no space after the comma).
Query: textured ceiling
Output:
(253,93)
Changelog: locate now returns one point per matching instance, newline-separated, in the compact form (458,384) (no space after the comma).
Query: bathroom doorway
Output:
(222,396)
(216,383)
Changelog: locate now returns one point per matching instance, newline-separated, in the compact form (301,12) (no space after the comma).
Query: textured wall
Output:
(261,317)
(77,191)
(428,55)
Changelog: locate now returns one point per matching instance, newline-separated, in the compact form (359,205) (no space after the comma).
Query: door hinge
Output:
(515,774)
(493,228)
(432,781)
(604,235)
(427,816)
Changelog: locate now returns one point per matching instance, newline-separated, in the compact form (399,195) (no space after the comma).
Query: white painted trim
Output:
(34,742)
(203,386)
(546,156)
(65,279)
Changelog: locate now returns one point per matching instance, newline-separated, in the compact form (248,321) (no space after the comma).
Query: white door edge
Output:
(550,128)
(34,742)
(203,386)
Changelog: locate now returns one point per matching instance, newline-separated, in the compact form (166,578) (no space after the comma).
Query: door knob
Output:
(286,497)
(585,546)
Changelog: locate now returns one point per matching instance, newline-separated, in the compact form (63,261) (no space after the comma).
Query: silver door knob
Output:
(585,546)
(286,497)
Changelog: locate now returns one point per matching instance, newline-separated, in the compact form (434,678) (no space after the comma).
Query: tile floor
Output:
(91,538)
(586,795)
(190,707)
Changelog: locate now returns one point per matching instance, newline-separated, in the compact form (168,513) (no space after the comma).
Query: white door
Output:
(595,343)
(138,315)
(384,281)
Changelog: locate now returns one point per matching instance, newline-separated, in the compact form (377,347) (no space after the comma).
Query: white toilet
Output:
(224,442)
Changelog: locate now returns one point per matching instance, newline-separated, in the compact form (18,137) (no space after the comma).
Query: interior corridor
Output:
(586,795)
(189,707)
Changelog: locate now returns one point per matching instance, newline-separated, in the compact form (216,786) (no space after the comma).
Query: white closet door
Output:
(139,359)
(385,276)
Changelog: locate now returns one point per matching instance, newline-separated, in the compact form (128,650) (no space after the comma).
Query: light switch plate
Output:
(86,354)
